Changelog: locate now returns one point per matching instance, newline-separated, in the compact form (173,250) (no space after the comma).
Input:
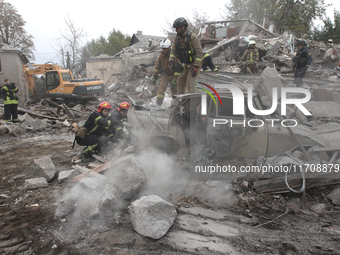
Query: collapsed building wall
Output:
(110,69)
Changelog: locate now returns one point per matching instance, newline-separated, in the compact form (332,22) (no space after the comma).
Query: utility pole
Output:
(67,60)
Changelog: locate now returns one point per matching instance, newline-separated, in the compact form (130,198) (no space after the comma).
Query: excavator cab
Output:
(52,80)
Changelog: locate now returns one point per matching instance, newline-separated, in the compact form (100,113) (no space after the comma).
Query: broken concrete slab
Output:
(323,109)
(63,175)
(65,207)
(35,183)
(108,198)
(192,243)
(336,97)
(127,178)
(205,226)
(319,208)
(152,216)
(270,79)
(25,118)
(3,129)
(128,150)
(334,196)
(16,130)
(322,95)
(43,167)
(90,183)
(322,155)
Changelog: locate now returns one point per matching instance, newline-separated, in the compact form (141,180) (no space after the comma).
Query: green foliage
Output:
(330,30)
(291,15)
(12,31)
(110,45)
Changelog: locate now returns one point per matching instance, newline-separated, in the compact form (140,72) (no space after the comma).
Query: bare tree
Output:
(69,45)
(12,31)
(195,22)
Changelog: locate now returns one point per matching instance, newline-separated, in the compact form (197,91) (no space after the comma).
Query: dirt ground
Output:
(228,222)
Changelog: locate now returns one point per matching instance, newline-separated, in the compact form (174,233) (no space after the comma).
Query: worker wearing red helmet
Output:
(89,134)
(116,119)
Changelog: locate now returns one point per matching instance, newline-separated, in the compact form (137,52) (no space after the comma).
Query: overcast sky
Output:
(45,20)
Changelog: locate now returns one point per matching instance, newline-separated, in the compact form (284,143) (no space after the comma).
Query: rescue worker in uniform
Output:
(168,76)
(251,56)
(10,101)
(207,62)
(90,133)
(115,122)
(188,49)
(301,62)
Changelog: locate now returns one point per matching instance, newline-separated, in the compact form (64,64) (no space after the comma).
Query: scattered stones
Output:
(334,196)
(128,179)
(319,208)
(35,183)
(43,167)
(63,175)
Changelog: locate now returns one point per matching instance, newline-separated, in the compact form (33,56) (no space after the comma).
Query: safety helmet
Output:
(104,105)
(165,44)
(180,22)
(330,40)
(251,43)
(301,42)
(124,105)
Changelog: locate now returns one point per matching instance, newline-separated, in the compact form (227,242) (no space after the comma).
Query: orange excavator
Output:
(59,84)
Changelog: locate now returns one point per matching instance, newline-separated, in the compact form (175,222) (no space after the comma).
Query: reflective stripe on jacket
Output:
(9,95)
(251,55)
(195,45)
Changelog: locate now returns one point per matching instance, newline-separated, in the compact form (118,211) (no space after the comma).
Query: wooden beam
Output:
(105,166)
(233,39)
(90,172)
(262,28)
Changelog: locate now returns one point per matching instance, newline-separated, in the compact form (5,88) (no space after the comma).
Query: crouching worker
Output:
(115,123)
(89,134)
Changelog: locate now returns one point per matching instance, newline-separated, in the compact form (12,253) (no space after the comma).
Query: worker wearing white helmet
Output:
(251,56)
(168,76)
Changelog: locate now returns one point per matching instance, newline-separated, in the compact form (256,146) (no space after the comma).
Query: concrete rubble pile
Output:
(109,197)
(275,50)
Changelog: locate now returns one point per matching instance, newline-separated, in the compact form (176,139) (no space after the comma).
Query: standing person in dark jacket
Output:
(89,134)
(301,62)
(10,101)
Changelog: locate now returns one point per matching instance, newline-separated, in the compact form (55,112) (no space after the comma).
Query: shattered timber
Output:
(144,197)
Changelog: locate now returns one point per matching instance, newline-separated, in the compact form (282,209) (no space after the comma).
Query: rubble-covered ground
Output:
(214,216)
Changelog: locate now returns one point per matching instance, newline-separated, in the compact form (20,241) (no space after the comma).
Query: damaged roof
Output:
(143,40)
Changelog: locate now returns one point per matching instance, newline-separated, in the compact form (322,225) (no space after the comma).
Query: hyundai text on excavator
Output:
(59,84)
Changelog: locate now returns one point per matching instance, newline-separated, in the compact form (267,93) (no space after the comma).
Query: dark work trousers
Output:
(11,110)
(207,61)
(298,76)
(94,144)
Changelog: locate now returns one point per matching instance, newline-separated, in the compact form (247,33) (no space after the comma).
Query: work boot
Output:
(173,89)
(85,156)
(215,69)
(159,101)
